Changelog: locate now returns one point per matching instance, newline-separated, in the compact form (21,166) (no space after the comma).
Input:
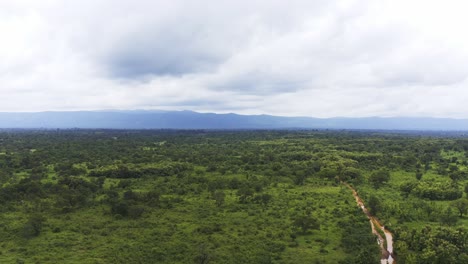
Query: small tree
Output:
(119,208)
(418,175)
(374,205)
(299,177)
(306,222)
(203,256)
(461,205)
(245,194)
(264,198)
(219,197)
(33,226)
(455,176)
(448,217)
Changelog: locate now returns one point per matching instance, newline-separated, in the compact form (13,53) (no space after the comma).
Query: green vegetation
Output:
(105,196)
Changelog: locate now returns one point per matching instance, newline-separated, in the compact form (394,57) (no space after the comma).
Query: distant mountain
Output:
(141,119)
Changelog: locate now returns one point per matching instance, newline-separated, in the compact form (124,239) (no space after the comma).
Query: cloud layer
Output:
(311,58)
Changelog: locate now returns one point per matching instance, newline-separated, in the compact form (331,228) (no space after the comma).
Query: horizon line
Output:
(227,113)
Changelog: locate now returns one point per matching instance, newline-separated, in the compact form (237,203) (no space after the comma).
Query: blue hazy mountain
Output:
(140,119)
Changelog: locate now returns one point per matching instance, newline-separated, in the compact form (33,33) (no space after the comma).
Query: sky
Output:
(318,58)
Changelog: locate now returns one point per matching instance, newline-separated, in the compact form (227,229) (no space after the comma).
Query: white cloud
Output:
(310,58)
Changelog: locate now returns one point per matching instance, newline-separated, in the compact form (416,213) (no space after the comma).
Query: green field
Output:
(85,196)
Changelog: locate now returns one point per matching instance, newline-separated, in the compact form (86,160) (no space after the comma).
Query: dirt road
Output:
(387,252)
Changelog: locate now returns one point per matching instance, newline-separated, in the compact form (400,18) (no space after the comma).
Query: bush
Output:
(135,211)
(33,226)
(120,208)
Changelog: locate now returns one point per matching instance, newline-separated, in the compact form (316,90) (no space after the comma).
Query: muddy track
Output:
(387,252)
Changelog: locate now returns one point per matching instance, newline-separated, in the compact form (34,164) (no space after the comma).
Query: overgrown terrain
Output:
(104,196)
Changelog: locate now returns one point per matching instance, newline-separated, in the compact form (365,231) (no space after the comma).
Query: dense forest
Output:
(166,196)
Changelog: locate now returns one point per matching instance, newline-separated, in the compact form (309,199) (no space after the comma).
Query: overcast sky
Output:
(295,58)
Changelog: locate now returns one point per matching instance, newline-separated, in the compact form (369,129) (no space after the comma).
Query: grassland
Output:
(223,196)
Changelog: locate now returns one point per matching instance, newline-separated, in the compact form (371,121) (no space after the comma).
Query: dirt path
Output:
(387,253)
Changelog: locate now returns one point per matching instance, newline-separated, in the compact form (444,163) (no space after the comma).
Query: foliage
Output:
(165,196)
(374,205)
(305,223)
(379,177)
(440,245)
(461,205)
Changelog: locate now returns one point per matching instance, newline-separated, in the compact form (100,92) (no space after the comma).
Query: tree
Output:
(264,198)
(407,187)
(327,173)
(219,197)
(455,176)
(119,208)
(245,194)
(152,197)
(418,175)
(448,217)
(352,174)
(299,177)
(427,167)
(203,257)
(377,178)
(100,181)
(135,211)
(461,205)
(374,205)
(33,226)
(366,256)
(306,222)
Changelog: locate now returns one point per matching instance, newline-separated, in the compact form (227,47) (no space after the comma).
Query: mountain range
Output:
(153,119)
